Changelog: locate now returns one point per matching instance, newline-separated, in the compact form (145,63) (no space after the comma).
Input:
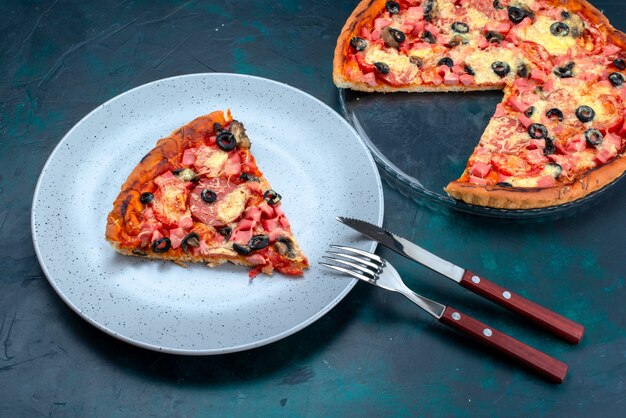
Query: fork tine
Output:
(346,271)
(357,259)
(354,266)
(361,252)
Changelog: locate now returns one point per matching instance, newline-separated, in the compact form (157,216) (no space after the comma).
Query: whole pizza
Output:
(558,134)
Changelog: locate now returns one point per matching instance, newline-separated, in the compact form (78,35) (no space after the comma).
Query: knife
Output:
(560,326)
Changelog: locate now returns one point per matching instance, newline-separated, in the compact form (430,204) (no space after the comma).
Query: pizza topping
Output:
(393,37)
(616,79)
(494,37)
(208,195)
(428,37)
(468,69)
(192,239)
(271,197)
(258,242)
(429,10)
(529,111)
(382,67)
(593,136)
(500,68)
(537,131)
(413,59)
(392,7)
(516,14)
(619,63)
(554,112)
(549,147)
(522,70)
(161,245)
(226,141)
(358,43)
(460,27)
(146,198)
(553,169)
(559,29)
(585,113)
(241,249)
(565,71)
(186,174)
(447,61)
(239,132)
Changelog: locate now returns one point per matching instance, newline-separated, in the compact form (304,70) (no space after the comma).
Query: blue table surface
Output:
(374,354)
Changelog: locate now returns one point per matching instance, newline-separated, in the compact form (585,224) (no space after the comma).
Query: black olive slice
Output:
(556,170)
(398,35)
(619,63)
(497,5)
(258,242)
(585,113)
(617,79)
(468,69)
(358,43)
(217,127)
(428,37)
(272,197)
(429,8)
(392,7)
(550,148)
(161,245)
(559,29)
(504,184)
(382,67)
(208,195)
(446,61)
(416,61)
(494,37)
(226,141)
(146,198)
(284,246)
(241,249)
(537,131)
(192,239)
(455,41)
(522,71)
(516,14)
(248,177)
(225,231)
(565,14)
(500,68)
(529,112)
(565,71)
(460,27)
(593,136)
(554,112)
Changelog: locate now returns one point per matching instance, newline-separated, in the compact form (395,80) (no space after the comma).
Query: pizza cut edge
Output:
(126,221)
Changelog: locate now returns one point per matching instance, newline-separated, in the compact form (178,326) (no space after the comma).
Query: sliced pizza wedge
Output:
(199,196)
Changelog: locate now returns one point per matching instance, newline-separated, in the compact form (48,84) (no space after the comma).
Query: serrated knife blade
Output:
(405,248)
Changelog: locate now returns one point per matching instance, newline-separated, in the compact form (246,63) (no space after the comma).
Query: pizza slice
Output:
(199,196)
(559,132)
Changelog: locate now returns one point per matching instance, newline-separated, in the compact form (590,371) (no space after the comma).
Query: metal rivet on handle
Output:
(487,332)
(506,294)
(476,279)
(456,316)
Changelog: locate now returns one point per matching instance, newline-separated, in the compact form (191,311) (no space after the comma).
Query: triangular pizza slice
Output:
(559,133)
(199,196)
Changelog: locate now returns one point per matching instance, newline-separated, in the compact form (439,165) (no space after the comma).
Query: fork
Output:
(373,269)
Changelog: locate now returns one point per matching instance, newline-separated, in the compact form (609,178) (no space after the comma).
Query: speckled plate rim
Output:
(350,282)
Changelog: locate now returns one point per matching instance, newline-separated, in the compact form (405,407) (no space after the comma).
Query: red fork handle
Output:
(548,367)
(562,327)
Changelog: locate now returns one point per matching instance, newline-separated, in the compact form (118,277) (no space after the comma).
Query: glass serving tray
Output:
(422,141)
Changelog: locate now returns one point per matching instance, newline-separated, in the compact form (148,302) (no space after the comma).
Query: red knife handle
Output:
(541,363)
(565,328)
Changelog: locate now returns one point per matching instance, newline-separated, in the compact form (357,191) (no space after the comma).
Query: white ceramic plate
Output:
(309,153)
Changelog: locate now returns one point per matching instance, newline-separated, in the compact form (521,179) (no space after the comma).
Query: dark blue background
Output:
(375,353)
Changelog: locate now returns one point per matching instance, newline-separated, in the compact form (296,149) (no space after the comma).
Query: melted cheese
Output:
(398,63)
(233,204)
(539,32)
(210,161)
(481,61)
(523,181)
